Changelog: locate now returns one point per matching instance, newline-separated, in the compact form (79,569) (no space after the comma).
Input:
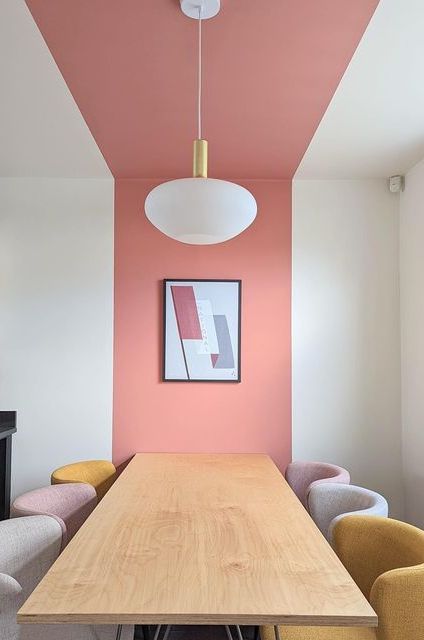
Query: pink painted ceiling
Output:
(271,68)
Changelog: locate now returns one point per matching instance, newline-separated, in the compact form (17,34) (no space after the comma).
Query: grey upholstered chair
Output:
(330,502)
(28,547)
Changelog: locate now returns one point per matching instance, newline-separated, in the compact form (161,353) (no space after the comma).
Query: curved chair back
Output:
(385,557)
(101,474)
(28,548)
(329,502)
(68,504)
(302,476)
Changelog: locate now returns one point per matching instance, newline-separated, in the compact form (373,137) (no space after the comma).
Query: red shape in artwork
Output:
(186,313)
(214,358)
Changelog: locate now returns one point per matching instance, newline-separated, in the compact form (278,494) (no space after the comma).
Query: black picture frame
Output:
(166,281)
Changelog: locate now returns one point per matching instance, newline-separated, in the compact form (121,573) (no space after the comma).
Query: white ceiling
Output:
(374,126)
(42,132)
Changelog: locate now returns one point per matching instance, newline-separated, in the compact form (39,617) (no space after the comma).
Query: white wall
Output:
(412,319)
(56,321)
(346,335)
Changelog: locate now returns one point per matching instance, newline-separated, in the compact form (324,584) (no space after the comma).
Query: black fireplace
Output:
(7,429)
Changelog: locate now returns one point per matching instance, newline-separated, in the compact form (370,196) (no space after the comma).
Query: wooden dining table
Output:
(199,539)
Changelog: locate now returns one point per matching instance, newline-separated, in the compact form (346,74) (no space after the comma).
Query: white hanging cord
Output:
(199,80)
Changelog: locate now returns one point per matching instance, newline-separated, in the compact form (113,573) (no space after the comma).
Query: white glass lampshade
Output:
(200,210)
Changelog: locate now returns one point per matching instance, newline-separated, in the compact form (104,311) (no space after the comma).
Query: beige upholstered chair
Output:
(28,547)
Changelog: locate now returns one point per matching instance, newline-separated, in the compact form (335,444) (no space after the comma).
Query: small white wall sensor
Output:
(396,184)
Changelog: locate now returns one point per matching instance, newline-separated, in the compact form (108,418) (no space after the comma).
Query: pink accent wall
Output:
(131,67)
(253,416)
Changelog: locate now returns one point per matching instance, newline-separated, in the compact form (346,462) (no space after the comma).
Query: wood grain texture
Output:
(199,539)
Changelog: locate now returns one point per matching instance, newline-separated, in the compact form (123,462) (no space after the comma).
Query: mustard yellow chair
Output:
(101,474)
(386,559)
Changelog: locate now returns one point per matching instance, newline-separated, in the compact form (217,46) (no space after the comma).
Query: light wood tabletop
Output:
(199,539)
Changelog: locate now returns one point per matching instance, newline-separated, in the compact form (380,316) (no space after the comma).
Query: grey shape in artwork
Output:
(225,358)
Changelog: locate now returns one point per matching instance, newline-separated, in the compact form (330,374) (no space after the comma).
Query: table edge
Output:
(199,619)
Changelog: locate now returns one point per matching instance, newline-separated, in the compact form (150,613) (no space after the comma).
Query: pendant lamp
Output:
(200,210)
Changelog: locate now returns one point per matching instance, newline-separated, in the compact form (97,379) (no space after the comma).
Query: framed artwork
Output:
(202,321)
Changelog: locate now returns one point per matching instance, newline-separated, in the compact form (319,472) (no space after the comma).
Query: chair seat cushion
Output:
(319,633)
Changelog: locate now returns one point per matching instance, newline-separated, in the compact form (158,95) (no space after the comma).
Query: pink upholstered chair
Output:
(69,504)
(302,476)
